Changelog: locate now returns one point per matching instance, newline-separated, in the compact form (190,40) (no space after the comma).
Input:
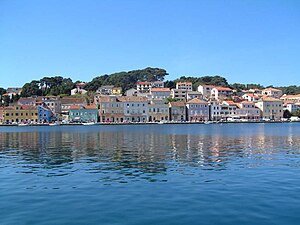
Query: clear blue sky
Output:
(248,41)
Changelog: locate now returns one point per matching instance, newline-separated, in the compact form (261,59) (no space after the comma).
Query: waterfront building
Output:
(205,90)
(247,110)
(135,108)
(45,114)
(111,109)
(215,111)
(184,85)
(221,92)
(20,114)
(158,111)
(270,108)
(228,110)
(1,115)
(67,102)
(179,94)
(197,110)
(177,111)
(52,102)
(79,89)
(160,93)
(272,92)
(291,106)
(83,114)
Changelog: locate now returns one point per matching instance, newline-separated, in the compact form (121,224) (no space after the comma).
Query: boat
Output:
(208,122)
(23,124)
(160,122)
(89,123)
(54,124)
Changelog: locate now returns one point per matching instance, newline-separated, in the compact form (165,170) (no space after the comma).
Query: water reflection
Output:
(121,154)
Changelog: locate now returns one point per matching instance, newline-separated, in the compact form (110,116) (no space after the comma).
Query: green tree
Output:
(287,114)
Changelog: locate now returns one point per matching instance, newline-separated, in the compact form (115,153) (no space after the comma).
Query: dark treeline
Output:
(59,85)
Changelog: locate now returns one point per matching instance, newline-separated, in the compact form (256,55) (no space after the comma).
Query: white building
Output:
(197,110)
(272,92)
(221,92)
(205,90)
(135,108)
(160,93)
(179,94)
(270,108)
(184,85)
(247,110)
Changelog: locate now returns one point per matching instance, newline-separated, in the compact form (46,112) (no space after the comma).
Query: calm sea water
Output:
(150,174)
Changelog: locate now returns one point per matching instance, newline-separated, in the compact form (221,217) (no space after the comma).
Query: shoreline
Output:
(147,123)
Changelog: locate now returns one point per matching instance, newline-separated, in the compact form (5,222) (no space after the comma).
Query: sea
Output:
(151,174)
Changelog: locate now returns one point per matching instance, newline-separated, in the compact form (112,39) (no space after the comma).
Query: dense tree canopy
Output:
(57,85)
(48,86)
(127,80)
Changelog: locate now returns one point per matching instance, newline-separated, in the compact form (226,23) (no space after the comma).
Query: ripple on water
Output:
(185,174)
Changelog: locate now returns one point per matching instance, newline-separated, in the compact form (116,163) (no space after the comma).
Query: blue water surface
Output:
(150,174)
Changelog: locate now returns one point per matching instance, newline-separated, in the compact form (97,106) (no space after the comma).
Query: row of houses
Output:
(152,102)
(119,109)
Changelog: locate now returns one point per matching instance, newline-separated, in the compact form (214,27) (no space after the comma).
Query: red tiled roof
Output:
(223,89)
(75,107)
(207,85)
(271,99)
(177,104)
(196,101)
(132,99)
(90,107)
(160,89)
(68,100)
(143,82)
(189,83)
(271,89)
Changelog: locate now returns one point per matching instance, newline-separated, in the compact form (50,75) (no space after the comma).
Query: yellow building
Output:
(117,91)
(20,114)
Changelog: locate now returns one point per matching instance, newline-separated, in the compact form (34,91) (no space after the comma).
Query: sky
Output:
(249,41)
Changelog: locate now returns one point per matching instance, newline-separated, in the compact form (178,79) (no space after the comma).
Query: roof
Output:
(252,95)
(230,102)
(143,82)
(223,89)
(28,107)
(194,93)
(290,96)
(83,107)
(246,102)
(177,104)
(271,89)
(184,83)
(106,87)
(196,101)
(160,89)
(90,107)
(207,85)
(69,100)
(132,99)
(270,99)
